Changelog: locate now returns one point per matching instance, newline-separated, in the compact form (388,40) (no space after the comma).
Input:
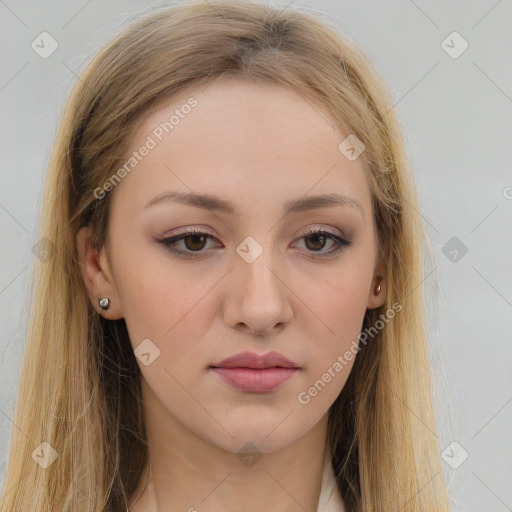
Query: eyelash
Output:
(167,242)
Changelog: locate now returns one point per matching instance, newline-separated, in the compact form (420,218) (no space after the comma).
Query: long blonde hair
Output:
(79,388)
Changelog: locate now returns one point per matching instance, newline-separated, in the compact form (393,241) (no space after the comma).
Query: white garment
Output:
(330,496)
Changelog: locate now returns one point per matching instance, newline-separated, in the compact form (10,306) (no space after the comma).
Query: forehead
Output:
(242,140)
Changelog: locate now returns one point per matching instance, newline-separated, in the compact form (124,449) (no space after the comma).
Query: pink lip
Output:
(253,360)
(253,380)
(256,373)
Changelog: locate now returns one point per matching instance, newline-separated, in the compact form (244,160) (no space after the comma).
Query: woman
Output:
(228,314)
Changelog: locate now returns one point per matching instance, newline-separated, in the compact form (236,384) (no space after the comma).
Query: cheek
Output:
(332,319)
(159,301)
(335,306)
(174,311)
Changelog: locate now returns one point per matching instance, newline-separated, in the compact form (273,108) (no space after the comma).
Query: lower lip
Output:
(255,380)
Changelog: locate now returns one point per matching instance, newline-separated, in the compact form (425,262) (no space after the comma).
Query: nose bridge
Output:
(260,297)
(257,264)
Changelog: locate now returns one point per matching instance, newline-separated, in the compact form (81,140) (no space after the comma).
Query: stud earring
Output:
(378,287)
(104,303)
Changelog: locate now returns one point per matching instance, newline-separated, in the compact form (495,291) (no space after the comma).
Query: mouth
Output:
(255,373)
(255,380)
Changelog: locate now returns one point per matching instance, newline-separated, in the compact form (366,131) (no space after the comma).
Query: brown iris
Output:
(198,242)
(316,237)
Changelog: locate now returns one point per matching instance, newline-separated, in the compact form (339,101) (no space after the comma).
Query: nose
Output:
(258,298)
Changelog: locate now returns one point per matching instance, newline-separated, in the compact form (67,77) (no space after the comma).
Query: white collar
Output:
(330,496)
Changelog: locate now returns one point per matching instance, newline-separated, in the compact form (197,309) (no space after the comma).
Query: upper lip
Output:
(254,360)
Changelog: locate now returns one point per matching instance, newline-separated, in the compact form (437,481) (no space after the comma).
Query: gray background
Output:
(455,113)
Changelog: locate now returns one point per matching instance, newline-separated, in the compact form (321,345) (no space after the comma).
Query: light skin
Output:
(257,145)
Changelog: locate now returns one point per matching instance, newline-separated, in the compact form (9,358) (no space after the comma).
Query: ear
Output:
(96,274)
(380,276)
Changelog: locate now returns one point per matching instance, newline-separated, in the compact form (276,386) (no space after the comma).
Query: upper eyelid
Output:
(198,232)
(190,231)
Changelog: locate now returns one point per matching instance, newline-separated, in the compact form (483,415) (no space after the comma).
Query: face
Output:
(257,266)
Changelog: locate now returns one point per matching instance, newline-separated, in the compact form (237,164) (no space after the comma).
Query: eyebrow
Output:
(214,203)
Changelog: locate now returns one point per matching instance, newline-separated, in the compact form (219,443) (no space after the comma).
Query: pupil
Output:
(195,239)
(316,237)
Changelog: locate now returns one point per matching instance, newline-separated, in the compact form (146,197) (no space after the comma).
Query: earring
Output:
(378,287)
(104,303)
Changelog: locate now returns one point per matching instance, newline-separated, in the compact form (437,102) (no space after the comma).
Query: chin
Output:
(267,436)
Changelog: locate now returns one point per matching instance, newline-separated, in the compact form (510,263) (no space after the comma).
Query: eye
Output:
(317,238)
(196,240)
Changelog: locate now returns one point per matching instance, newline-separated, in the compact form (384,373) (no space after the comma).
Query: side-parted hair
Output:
(79,388)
